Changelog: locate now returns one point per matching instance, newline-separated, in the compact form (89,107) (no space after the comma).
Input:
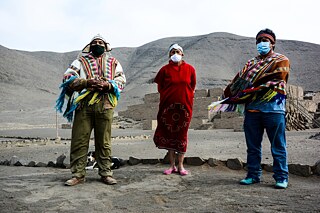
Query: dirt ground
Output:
(143,187)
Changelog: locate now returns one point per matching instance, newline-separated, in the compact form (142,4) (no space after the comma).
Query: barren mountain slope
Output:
(30,80)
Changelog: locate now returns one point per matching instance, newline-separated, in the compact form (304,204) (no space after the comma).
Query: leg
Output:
(81,131)
(102,132)
(181,169)
(275,127)
(172,159)
(253,129)
(180,161)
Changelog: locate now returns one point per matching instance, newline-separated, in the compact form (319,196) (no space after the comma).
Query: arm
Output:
(74,70)
(193,78)
(228,92)
(119,78)
(159,79)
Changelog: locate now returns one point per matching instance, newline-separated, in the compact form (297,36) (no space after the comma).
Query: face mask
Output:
(176,58)
(97,50)
(263,48)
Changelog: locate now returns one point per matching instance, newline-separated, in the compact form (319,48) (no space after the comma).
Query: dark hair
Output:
(267,31)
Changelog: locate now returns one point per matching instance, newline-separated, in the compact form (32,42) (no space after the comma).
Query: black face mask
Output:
(97,50)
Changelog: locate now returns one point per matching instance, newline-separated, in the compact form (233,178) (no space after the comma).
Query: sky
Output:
(68,25)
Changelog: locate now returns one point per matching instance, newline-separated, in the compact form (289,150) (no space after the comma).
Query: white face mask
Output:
(176,58)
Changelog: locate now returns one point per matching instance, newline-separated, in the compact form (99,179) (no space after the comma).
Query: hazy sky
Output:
(67,25)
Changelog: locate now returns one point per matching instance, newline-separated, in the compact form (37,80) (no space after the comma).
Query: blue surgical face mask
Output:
(263,47)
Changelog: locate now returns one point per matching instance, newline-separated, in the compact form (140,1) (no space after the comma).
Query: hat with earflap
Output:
(86,49)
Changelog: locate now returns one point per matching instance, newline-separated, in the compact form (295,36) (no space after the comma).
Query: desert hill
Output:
(30,80)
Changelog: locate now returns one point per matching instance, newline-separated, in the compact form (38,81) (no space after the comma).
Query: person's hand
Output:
(92,83)
(104,86)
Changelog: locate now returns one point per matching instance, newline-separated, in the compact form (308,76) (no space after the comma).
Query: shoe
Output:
(74,181)
(248,181)
(169,171)
(183,172)
(283,184)
(108,180)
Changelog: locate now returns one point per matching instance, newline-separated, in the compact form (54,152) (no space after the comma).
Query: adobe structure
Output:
(303,111)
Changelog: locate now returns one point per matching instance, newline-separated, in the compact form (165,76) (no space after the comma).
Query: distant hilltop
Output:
(31,79)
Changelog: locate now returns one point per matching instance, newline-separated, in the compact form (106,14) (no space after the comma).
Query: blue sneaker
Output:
(281,184)
(248,181)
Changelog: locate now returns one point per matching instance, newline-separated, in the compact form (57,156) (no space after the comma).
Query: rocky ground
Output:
(143,187)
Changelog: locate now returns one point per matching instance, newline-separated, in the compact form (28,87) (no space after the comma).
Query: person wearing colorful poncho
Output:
(261,86)
(176,84)
(92,83)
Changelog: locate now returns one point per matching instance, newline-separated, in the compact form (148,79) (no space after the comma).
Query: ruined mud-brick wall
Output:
(147,112)
(303,108)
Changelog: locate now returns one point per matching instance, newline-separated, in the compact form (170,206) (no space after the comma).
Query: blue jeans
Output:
(254,125)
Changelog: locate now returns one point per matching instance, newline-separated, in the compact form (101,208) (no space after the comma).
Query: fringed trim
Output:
(115,96)
(95,99)
(223,107)
(74,103)
(64,88)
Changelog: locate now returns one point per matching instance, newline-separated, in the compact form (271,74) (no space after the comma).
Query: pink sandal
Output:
(169,171)
(183,172)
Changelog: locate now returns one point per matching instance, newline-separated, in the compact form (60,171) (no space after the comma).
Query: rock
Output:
(21,162)
(301,170)
(213,162)
(317,168)
(268,167)
(51,164)
(150,161)
(123,162)
(31,164)
(6,163)
(60,160)
(41,164)
(134,161)
(235,164)
(166,159)
(194,161)
(13,160)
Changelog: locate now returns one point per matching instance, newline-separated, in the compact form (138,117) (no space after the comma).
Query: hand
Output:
(104,86)
(92,83)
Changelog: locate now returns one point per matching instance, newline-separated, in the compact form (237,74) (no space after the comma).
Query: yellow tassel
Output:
(80,97)
(94,99)
(268,96)
(244,97)
(113,99)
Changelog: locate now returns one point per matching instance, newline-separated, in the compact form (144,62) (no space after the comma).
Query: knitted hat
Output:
(86,49)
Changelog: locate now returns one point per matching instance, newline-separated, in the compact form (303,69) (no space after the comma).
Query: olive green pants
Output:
(88,118)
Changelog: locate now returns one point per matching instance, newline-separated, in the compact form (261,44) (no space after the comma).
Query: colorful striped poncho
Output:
(260,80)
(88,67)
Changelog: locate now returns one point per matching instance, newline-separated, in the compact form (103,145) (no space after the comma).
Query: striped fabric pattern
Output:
(93,69)
(257,69)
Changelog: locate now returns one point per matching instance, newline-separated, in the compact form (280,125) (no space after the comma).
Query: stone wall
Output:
(147,112)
